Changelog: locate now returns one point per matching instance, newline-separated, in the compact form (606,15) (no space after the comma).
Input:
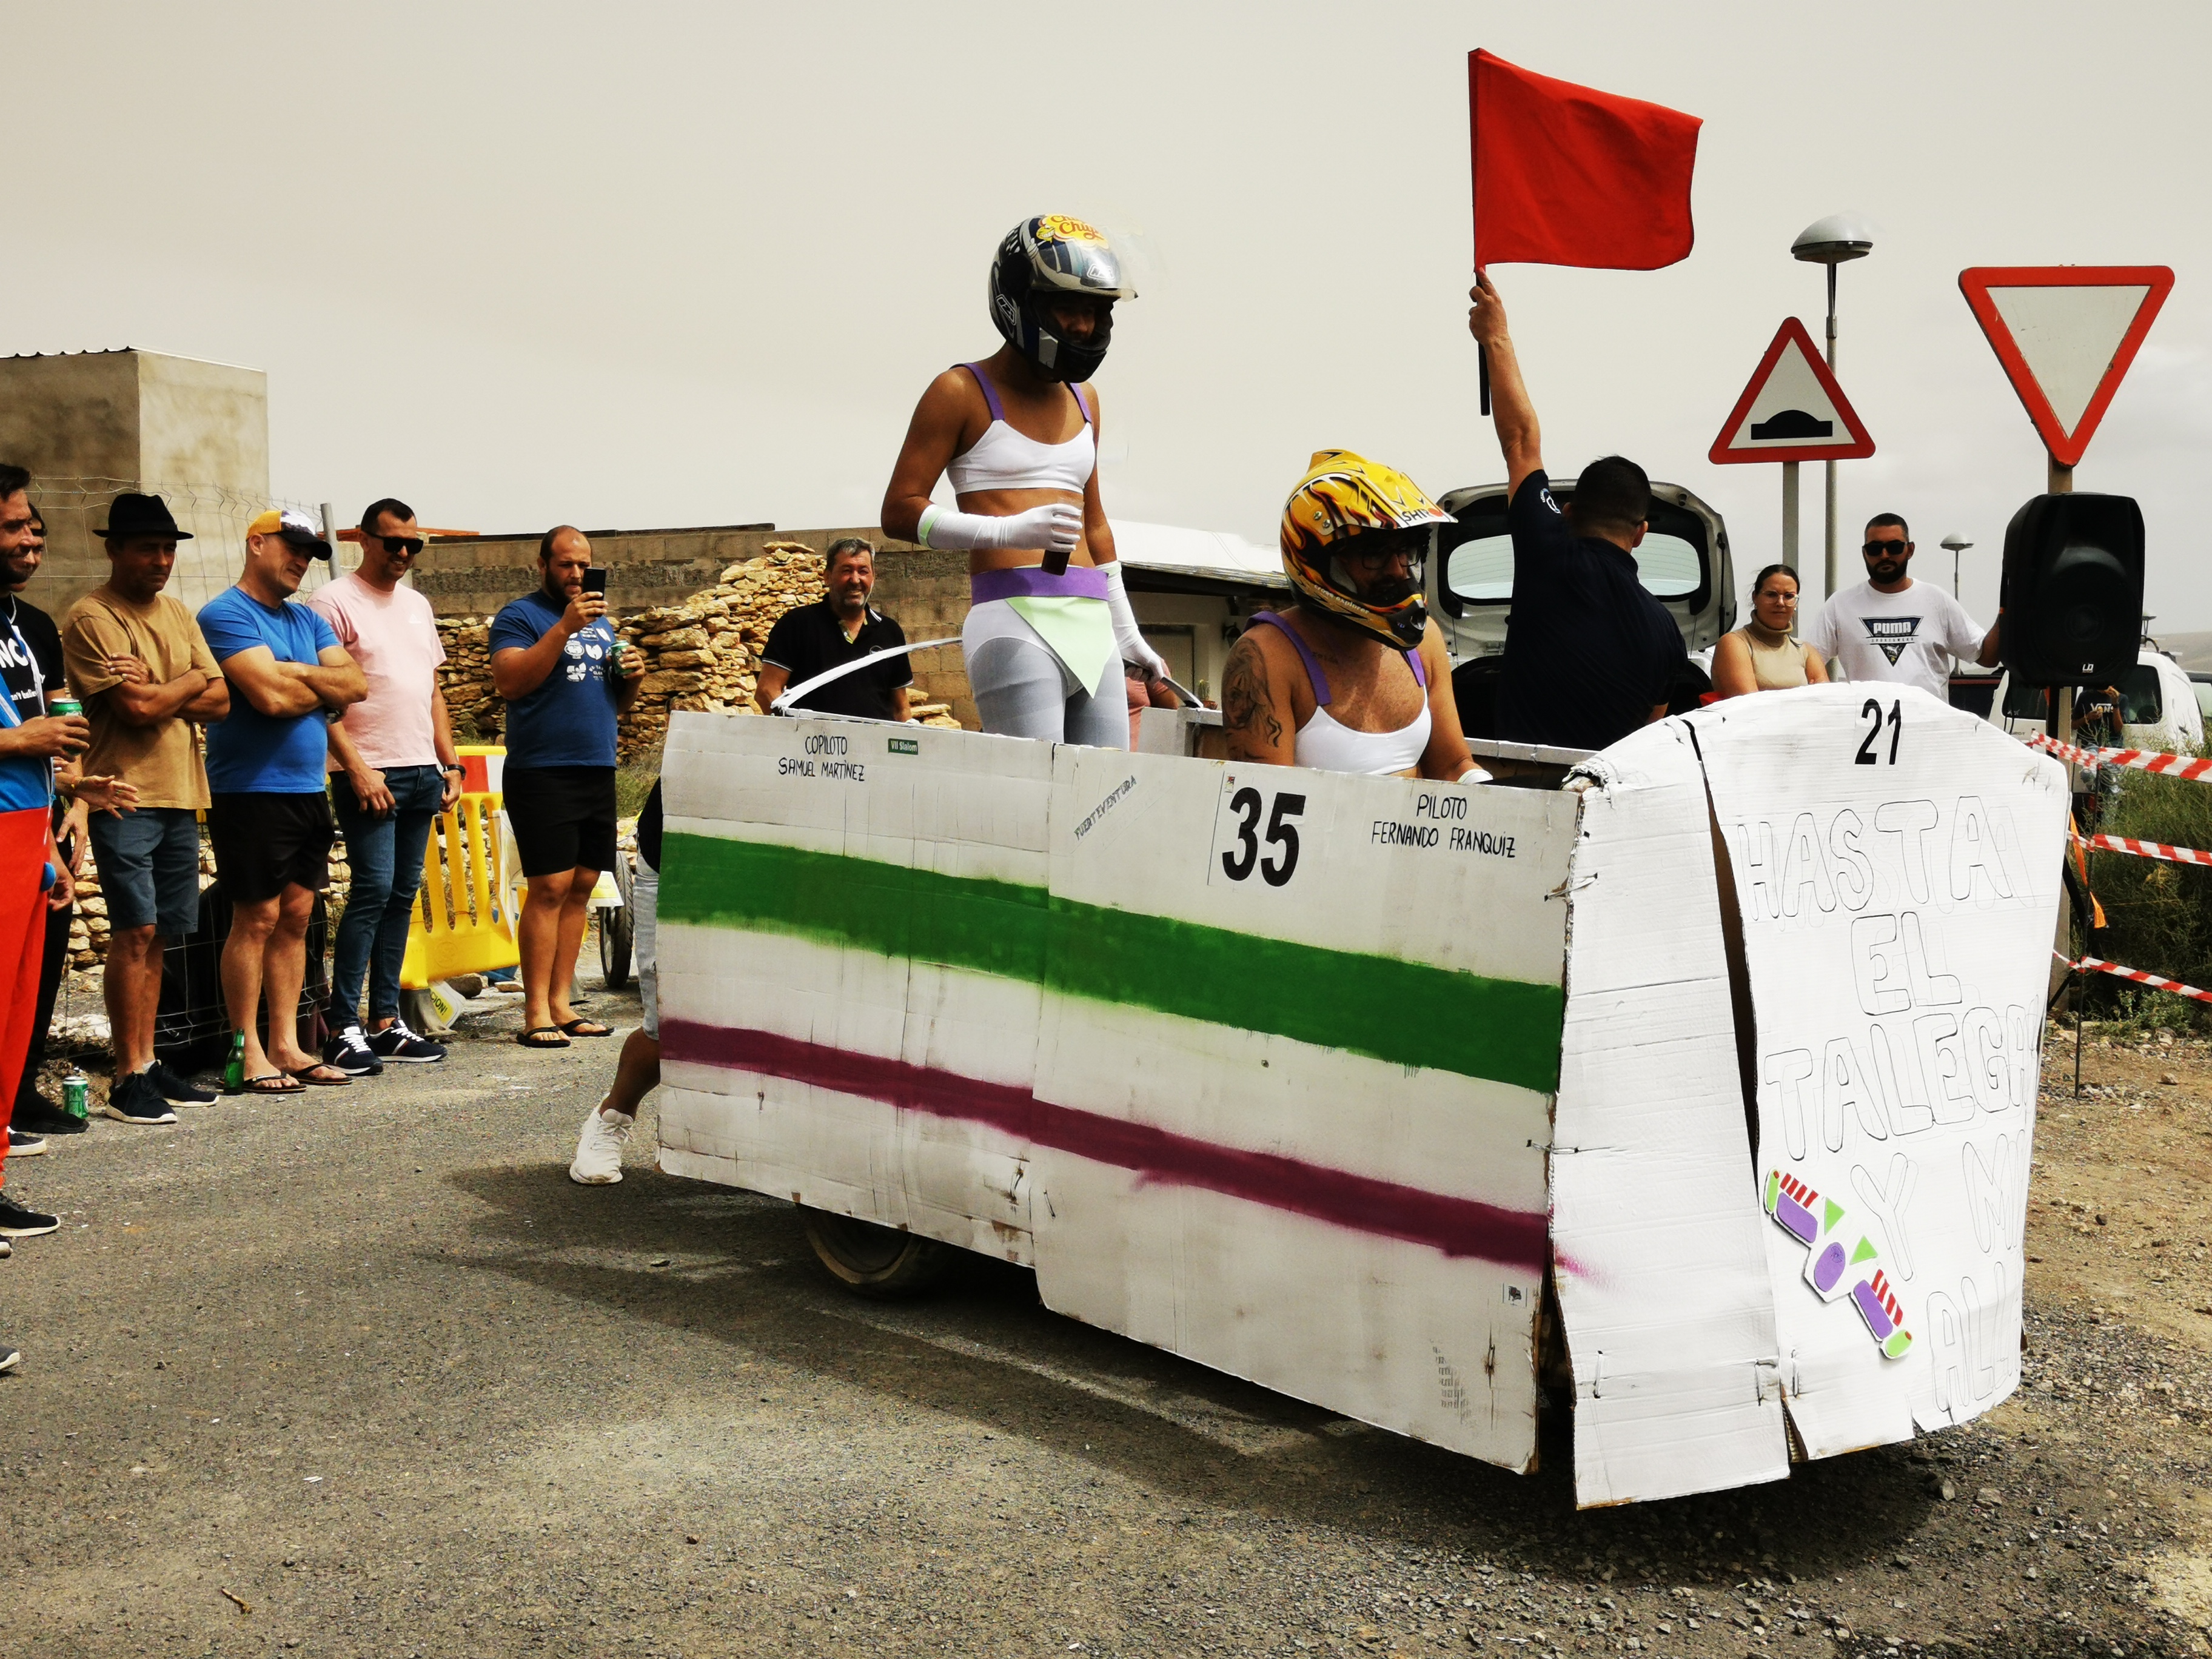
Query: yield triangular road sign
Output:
(1793,410)
(2066,335)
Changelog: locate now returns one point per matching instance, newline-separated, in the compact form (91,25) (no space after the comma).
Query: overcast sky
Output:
(671,265)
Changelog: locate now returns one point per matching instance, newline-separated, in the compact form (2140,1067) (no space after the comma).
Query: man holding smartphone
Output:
(554,659)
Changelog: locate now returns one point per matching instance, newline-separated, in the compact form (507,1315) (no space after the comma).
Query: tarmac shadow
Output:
(735,1267)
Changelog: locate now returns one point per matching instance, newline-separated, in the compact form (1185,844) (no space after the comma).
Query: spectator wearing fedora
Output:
(268,816)
(138,663)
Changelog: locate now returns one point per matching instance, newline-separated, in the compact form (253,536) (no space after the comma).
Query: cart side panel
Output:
(1661,1269)
(851,949)
(1896,868)
(1293,1128)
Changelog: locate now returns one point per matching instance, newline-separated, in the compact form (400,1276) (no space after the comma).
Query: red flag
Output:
(1565,175)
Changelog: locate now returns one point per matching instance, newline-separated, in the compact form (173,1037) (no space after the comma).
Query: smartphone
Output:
(595,582)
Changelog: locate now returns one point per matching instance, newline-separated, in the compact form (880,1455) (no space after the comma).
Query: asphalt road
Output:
(365,1374)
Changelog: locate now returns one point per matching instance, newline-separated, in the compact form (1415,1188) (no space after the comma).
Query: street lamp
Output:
(1830,242)
(1958,544)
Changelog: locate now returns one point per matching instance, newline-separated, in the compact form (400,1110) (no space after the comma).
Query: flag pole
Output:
(1474,179)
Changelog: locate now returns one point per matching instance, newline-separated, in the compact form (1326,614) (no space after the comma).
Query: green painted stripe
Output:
(1401,1013)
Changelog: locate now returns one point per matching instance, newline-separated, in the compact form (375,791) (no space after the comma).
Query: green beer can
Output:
(76,1096)
(61,706)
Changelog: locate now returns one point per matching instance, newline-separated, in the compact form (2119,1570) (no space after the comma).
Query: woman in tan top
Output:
(1760,656)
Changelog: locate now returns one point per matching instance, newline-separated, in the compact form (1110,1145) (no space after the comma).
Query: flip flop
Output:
(574,1028)
(532,1037)
(305,1074)
(258,1085)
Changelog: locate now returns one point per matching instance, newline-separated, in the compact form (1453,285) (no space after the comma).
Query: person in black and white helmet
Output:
(1049,625)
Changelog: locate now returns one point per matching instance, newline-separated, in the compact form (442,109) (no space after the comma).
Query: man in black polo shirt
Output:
(841,629)
(1589,652)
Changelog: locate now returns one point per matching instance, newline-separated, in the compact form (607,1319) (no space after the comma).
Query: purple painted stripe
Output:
(1033,582)
(1459,1227)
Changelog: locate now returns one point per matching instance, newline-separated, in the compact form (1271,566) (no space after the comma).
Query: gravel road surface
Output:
(365,1374)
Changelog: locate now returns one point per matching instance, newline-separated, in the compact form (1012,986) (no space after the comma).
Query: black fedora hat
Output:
(132,514)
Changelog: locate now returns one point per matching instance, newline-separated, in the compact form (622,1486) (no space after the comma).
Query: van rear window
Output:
(2140,701)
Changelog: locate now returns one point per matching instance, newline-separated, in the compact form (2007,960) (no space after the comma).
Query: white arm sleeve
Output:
(1056,527)
(1126,632)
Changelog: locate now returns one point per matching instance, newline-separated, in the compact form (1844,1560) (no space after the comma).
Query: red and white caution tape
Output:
(2099,965)
(2142,760)
(2144,849)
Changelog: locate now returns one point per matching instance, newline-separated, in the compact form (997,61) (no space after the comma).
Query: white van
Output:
(2158,707)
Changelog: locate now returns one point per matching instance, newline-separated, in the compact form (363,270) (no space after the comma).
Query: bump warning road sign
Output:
(1793,410)
(2066,335)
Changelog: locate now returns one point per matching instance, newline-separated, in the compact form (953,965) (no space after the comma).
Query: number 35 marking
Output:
(1870,712)
(1282,836)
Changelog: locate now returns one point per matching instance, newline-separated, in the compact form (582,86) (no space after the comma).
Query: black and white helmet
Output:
(1053,254)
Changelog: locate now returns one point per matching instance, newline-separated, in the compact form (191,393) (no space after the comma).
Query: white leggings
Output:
(1021,689)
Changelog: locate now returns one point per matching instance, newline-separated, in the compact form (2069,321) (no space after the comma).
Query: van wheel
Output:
(873,1260)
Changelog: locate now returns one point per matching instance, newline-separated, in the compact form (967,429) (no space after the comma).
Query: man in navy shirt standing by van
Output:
(268,815)
(1590,653)
(555,658)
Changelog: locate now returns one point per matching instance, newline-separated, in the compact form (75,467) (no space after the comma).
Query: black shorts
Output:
(563,817)
(264,843)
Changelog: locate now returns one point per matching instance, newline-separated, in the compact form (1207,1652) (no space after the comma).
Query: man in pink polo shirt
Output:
(393,768)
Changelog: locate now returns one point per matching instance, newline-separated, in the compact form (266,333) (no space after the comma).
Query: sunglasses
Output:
(412,544)
(1884,549)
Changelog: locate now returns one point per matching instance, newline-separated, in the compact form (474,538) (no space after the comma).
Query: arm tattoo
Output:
(1247,703)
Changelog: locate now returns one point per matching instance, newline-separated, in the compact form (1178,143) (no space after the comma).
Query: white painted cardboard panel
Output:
(1400,865)
(1898,873)
(1660,1267)
(1392,1333)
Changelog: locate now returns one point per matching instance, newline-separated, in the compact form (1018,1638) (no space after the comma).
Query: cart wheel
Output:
(617,931)
(876,1262)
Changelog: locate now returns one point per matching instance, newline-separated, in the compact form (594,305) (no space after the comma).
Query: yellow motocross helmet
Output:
(1345,497)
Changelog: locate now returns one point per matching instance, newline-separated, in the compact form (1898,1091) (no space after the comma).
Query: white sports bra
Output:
(1329,745)
(1003,459)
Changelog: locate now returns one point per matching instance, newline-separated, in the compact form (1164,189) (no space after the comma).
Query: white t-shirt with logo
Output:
(1909,637)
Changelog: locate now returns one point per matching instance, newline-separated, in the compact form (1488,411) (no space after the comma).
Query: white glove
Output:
(1126,632)
(1056,527)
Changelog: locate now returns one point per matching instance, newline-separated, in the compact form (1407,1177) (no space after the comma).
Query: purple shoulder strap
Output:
(1077,392)
(1305,655)
(990,392)
(1420,674)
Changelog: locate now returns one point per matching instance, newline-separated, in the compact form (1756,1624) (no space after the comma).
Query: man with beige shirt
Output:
(138,662)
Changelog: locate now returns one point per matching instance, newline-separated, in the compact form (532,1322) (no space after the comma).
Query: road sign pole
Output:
(1828,587)
(1790,514)
(2059,480)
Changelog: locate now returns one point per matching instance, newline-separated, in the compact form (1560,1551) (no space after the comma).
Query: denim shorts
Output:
(150,868)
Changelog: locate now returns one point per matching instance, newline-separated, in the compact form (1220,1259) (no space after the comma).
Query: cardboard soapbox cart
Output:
(1708,1078)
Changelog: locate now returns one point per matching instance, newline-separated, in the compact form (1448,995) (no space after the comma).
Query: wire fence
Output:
(216,515)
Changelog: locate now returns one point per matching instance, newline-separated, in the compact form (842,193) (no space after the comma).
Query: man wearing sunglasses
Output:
(393,767)
(1891,628)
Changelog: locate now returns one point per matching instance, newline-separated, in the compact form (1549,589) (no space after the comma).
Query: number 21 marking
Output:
(1871,711)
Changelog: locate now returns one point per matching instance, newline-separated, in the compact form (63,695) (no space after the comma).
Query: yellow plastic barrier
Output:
(463,919)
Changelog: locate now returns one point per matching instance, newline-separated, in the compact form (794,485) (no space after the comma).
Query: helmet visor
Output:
(1382,568)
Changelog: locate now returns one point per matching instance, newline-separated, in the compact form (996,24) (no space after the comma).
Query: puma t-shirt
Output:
(1908,638)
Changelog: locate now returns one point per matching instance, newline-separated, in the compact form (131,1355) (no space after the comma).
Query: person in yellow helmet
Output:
(1354,676)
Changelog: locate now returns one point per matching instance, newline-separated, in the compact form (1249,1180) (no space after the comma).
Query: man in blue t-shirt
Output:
(555,660)
(267,813)
(1590,653)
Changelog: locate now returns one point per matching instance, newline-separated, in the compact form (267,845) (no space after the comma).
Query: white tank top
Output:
(1327,744)
(1003,459)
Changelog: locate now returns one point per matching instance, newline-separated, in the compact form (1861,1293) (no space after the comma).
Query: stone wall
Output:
(701,651)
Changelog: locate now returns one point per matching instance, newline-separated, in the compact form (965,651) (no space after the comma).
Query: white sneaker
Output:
(599,1148)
